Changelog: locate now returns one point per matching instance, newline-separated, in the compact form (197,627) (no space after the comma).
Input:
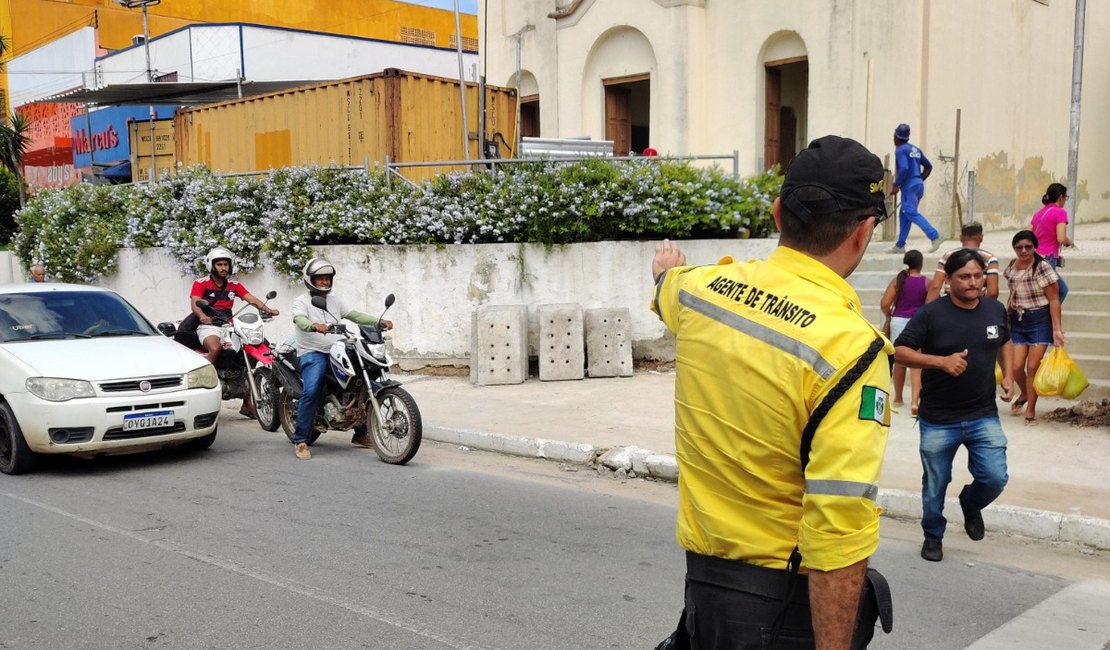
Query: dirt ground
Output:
(1086,413)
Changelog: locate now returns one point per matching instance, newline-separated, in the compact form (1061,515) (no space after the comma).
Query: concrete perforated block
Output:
(499,345)
(562,354)
(609,342)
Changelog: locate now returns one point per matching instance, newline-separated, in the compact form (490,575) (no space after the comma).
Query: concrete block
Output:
(662,466)
(609,342)
(562,355)
(499,345)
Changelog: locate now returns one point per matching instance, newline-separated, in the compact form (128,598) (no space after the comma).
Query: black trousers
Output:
(732,605)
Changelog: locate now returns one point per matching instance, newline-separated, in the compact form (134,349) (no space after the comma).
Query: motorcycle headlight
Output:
(203,377)
(376,350)
(54,389)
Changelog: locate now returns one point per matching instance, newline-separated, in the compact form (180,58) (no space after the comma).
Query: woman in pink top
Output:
(903,297)
(1050,225)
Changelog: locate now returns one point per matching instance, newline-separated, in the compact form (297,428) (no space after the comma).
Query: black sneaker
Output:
(973,522)
(931,550)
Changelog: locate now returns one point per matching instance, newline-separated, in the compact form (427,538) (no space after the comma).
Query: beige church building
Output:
(985,85)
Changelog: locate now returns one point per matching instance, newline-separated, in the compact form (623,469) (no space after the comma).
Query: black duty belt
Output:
(748,578)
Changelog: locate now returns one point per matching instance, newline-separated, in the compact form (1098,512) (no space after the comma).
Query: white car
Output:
(83,372)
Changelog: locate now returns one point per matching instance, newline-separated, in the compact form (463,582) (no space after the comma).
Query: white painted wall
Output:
(219,52)
(60,65)
(872,64)
(439,287)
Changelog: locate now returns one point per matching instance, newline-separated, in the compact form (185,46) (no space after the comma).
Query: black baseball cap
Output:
(843,174)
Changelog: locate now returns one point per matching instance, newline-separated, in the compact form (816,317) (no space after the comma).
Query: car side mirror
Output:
(167,328)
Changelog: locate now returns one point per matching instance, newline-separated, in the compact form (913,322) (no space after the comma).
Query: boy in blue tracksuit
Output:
(912,168)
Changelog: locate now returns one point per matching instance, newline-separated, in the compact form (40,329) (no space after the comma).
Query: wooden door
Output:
(530,117)
(788,136)
(772,127)
(618,118)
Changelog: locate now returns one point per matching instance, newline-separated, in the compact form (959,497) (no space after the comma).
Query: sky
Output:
(465,6)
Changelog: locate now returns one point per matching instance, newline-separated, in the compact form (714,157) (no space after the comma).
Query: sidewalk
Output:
(1058,489)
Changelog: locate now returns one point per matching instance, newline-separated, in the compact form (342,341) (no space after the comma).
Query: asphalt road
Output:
(243,546)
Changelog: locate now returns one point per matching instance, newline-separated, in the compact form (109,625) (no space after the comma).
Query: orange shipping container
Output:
(406,116)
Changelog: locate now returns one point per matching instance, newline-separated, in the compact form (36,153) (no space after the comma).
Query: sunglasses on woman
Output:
(1023,247)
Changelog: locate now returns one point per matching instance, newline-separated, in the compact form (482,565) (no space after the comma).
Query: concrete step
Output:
(1098,390)
(1085,264)
(1092,281)
(1094,366)
(1077,301)
(1087,343)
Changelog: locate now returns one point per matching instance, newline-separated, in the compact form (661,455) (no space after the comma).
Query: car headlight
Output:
(54,389)
(203,377)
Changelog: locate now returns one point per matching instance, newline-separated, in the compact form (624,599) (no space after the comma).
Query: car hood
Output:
(105,358)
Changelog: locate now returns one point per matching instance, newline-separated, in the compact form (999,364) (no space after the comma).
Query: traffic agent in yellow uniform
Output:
(760,346)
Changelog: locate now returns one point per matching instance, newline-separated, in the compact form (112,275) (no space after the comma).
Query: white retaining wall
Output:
(439,287)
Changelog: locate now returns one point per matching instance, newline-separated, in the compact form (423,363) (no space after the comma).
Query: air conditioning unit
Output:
(138,39)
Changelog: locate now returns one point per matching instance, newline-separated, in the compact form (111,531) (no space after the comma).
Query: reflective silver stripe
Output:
(658,290)
(761,332)
(843,489)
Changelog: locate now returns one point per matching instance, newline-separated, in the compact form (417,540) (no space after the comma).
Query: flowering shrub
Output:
(279,217)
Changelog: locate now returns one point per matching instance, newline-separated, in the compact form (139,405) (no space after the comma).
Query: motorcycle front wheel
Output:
(397,437)
(266,402)
(287,413)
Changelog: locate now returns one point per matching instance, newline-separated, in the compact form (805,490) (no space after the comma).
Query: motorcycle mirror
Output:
(202,303)
(271,295)
(389,300)
(320,302)
(167,328)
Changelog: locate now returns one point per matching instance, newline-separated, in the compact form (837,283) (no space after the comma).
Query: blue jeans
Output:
(1063,286)
(313,366)
(986,460)
(908,214)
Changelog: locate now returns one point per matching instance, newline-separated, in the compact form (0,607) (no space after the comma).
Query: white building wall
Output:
(439,287)
(60,65)
(1006,64)
(221,52)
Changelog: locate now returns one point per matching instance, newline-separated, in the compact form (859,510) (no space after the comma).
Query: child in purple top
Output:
(903,297)
(1050,225)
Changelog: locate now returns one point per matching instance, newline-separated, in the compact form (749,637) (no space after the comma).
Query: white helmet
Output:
(317,266)
(219,253)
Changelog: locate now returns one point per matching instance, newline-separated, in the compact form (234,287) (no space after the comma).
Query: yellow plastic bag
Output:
(997,373)
(1052,376)
(1077,382)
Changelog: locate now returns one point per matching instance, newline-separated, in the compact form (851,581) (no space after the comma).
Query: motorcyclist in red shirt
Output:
(221,291)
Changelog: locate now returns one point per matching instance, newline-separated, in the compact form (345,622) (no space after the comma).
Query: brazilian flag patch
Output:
(874,405)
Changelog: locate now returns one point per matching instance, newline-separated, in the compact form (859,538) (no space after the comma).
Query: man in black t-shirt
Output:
(956,340)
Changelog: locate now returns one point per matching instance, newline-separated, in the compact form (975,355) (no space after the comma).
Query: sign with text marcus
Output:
(101,137)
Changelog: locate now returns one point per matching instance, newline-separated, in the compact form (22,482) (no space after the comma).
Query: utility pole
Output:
(1076,94)
(462,84)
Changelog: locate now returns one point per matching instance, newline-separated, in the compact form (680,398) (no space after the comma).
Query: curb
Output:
(633,462)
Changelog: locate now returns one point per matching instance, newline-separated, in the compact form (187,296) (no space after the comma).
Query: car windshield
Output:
(68,314)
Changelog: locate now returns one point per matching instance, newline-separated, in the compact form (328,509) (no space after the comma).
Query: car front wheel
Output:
(15,456)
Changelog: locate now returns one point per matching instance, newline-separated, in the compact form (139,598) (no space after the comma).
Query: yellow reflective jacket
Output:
(759,345)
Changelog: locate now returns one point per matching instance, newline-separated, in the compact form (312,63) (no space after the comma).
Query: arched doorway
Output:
(786,97)
(623,61)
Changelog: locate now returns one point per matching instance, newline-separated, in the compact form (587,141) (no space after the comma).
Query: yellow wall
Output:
(32,23)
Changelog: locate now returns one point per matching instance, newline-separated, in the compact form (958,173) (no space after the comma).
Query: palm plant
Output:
(13,134)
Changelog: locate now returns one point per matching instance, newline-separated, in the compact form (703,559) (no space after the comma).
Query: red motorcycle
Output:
(245,359)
